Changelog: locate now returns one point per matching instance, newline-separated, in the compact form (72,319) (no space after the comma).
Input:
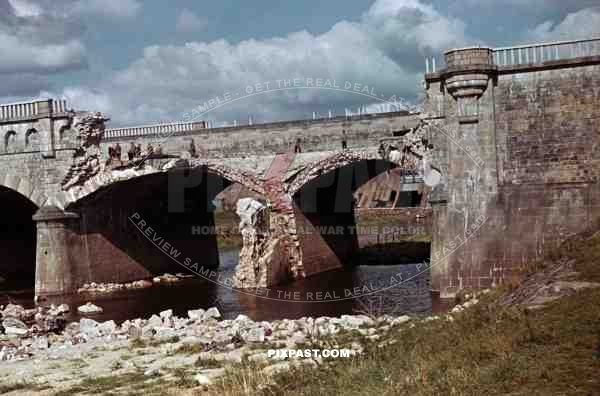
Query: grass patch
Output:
(78,363)
(208,363)
(137,343)
(116,365)
(184,378)
(100,385)
(21,386)
(190,349)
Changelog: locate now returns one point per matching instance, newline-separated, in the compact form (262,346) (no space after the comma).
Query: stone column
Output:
(46,127)
(462,254)
(55,271)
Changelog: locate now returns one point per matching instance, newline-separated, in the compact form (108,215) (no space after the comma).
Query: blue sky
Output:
(146,61)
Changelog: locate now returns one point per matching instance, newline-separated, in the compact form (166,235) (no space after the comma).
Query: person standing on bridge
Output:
(297,147)
(111,154)
(344,142)
(138,150)
(131,151)
(118,153)
(192,149)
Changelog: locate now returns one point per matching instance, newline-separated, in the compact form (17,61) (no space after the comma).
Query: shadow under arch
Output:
(17,240)
(124,225)
(323,196)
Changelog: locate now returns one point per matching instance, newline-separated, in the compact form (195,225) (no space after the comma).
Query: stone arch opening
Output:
(145,225)
(17,241)
(10,138)
(326,213)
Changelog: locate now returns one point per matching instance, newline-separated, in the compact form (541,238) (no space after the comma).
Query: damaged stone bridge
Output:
(507,141)
(94,218)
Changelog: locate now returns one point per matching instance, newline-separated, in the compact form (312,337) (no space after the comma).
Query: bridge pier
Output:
(55,262)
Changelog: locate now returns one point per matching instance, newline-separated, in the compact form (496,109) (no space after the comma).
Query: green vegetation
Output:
(190,349)
(22,387)
(488,349)
(136,343)
(208,363)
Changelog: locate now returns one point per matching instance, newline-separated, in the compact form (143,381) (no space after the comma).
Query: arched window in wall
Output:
(32,139)
(10,143)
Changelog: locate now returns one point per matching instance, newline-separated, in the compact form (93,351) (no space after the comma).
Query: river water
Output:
(411,296)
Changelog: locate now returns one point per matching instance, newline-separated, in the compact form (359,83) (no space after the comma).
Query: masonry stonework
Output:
(517,147)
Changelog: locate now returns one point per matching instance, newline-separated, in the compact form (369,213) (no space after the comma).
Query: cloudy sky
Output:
(146,61)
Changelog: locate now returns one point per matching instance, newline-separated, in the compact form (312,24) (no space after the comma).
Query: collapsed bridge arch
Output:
(323,196)
(134,223)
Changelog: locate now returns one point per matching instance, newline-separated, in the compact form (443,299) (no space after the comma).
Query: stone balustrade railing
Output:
(33,108)
(156,129)
(531,53)
(542,52)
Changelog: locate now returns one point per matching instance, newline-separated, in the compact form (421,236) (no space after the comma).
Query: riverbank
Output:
(539,337)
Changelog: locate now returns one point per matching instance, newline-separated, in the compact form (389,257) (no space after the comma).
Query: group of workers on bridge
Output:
(134,152)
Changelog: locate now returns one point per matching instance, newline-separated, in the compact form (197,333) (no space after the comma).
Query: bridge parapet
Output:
(542,52)
(161,129)
(32,109)
(522,55)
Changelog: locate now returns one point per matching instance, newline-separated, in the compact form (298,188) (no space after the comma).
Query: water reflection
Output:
(411,296)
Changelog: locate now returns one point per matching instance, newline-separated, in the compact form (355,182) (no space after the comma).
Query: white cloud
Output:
(28,57)
(34,43)
(187,21)
(383,49)
(108,8)
(25,8)
(582,24)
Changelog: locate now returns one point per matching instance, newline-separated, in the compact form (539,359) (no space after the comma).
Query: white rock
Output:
(276,368)
(457,308)
(356,321)
(39,343)
(258,357)
(256,334)
(13,326)
(296,338)
(152,372)
(108,327)
(14,311)
(168,314)
(89,308)
(89,327)
(207,377)
(235,356)
(400,320)
(164,332)
(196,314)
(212,313)
(154,321)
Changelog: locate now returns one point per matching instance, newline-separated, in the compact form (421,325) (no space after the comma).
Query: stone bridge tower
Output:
(462,96)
